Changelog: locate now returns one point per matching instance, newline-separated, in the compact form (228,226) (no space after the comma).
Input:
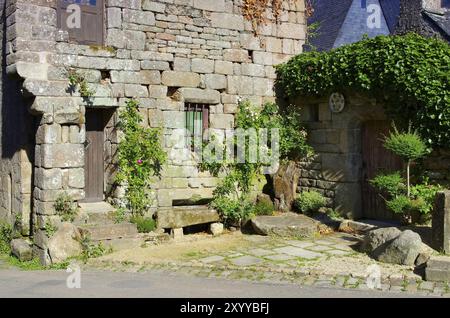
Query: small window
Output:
(91,27)
(197,120)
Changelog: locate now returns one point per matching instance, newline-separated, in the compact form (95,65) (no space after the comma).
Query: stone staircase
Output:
(96,220)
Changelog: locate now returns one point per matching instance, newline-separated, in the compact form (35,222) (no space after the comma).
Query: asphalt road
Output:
(52,284)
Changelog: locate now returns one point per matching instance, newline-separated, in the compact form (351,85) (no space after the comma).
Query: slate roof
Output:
(331,15)
(391,11)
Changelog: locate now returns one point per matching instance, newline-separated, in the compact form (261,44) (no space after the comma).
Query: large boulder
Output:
(403,250)
(22,250)
(65,243)
(287,225)
(376,240)
(285,183)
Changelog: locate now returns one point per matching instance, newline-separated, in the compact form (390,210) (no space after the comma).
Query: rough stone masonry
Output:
(164,53)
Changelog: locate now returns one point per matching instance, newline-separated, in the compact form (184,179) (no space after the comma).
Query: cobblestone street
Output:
(328,261)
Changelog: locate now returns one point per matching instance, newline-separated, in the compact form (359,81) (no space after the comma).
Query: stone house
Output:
(176,57)
(346,128)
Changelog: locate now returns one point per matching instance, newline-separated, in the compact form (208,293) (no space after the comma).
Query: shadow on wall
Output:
(13,112)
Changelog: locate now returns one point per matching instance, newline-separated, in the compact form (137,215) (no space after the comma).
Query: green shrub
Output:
(144,224)
(94,250)
(399,204)
(233,211)
(50,228)
(390,183)
(6,233)
(409,146)
(120,215)
(408,73)
(309,202)
(65,207)
(264,207)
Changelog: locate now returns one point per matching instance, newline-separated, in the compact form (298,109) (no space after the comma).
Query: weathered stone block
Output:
(441,222)
(197,95)
(157,91)
(216,81)
(48,134)
(138,17)
(179,217)
(438,269)
(208,5)
(62,156)
(236,55)
(223,67)
(174,119)
(22,250)
(134,90)
(221,121)
(49,179)
(76,178)
(153,6)
(114,16)
(202,65)
(227,21)
(180,79)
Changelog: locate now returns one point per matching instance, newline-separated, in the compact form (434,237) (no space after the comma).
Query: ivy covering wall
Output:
(410,74)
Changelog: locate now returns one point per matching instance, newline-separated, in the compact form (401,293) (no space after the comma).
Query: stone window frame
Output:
(205,111)
(100,9)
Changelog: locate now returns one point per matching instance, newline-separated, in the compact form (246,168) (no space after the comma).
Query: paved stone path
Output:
(329,261)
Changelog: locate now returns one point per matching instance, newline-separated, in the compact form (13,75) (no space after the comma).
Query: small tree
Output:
(409,146)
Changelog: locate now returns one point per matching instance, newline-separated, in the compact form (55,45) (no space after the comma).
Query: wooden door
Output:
(91,31)
(376,159)
(94,156)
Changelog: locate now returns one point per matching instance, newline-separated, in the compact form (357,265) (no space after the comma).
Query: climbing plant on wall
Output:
(141,157)
(410,74)
(258,12)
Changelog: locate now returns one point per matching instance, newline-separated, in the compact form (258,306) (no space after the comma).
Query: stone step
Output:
(109,231)
(98,213)
(123,243)
(182,216)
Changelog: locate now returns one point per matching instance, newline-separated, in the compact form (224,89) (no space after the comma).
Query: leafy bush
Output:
(6,233)
(392,183)
(264,207)
(141,156)
(144,224)
(409,146)
(120,215)
(309,202)
(399,204)
(408,73)
(94,250)
(233,211)
(231,197)
(66,207)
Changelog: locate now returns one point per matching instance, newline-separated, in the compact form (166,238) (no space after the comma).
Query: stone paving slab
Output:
(328,261)
(280,257)
(260,252)
(299,252)
(246,260)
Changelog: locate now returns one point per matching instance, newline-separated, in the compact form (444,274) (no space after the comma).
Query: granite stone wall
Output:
(163,53)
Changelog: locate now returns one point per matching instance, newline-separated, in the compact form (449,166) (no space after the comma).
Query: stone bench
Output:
(178,217)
